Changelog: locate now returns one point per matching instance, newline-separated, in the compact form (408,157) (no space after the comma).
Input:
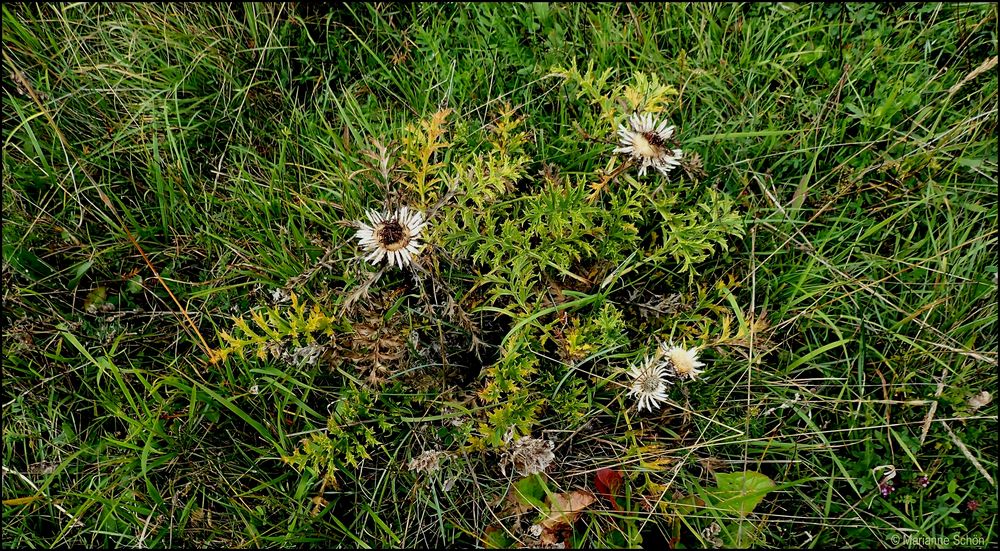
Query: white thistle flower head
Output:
(646,142)
(649,384)
(394,236)
(682,363)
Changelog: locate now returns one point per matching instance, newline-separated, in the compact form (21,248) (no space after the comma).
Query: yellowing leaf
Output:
(647,94)
(17,501)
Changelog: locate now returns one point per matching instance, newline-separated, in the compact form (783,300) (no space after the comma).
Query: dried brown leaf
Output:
(566,507)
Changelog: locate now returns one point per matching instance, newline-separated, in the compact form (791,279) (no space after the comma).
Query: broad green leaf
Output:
(739,492)
(530,491)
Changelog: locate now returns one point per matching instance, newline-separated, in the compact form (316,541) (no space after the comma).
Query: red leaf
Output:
(608,482)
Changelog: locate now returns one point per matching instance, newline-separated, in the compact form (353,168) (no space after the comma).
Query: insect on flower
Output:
(646,142)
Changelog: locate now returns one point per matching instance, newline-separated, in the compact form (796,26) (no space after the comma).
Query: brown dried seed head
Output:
(391,232)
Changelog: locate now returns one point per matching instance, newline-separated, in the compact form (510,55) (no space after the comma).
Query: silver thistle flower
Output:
(649,384)
(395,236)
(646,142)
(681,362)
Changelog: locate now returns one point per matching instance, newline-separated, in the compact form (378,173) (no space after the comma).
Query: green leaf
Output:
(688,504)
(78,272)
(739,492)
(739,535)
(497,538)
(530,491)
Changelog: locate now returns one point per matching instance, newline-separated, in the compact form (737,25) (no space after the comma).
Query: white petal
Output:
(636,123)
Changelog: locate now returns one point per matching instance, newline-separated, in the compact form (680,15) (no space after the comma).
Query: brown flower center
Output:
(392,235)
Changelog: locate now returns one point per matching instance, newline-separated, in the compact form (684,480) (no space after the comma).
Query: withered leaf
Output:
(565,508)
